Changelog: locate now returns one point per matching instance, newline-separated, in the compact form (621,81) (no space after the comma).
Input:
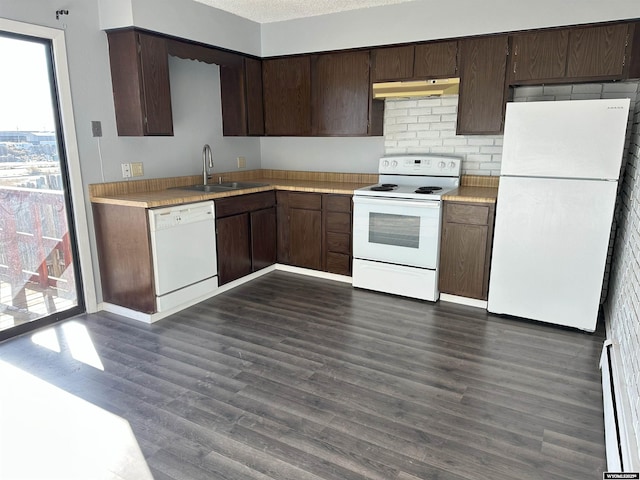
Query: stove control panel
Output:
(428,165)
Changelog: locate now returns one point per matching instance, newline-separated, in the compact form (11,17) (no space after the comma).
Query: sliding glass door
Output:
(39,276)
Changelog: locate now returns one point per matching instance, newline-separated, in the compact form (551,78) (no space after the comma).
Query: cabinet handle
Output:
(515,66)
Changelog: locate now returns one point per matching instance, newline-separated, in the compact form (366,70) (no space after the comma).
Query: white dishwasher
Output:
(183,245)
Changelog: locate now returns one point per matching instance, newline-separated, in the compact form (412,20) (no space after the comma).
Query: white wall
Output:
(428,20)
(184,19)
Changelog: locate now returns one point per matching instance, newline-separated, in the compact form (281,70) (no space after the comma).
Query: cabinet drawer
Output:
(339,263)
(472,214)
(338,222)
(244,203)
(309,201)
(339,242)
(338,203)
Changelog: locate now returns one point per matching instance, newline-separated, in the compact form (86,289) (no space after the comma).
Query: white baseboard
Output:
(470,302)
(617,407)
(313,273)
(154,317)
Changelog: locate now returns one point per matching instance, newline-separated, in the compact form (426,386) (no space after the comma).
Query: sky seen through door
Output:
(25,97)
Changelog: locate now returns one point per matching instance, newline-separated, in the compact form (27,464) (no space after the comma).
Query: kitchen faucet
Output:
(207,161)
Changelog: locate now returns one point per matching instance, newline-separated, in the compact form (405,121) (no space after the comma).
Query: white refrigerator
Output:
(558,183)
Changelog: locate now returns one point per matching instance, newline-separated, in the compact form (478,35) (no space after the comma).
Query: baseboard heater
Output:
(621,443)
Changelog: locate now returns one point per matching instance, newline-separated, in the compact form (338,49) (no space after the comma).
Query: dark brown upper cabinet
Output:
(483,64)
(393,63)
(597,51)
(538,56)
(436,60)
(569,55)
(241,90)
(340,93)
(287,95)
(634,51)
(140,79)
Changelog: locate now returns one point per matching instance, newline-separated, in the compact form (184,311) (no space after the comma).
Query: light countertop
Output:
(162,192)
(176,196)
(472,194)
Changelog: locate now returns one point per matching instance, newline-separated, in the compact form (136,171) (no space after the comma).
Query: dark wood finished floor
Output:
(297,378)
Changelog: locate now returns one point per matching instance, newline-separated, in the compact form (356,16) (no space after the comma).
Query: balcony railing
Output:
(35,249)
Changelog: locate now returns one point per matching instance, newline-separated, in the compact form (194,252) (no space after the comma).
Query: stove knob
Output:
(442,165)
(394,163)
(385,163)
(452,165)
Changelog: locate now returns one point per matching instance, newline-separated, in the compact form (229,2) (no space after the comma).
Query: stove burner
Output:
(385,187)
(427,190)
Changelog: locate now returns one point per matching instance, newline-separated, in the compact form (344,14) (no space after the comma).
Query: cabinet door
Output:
(140,80)
(462,260)
(154,61)
(482,85)
(241,96)
(340,94)
(287,96)
(393,63)
(465,252)
(124,253)
(263,238)
(539,56)
(633,51)
(305,238)
(597,51)
(234,255)
(255,110)
(437,59)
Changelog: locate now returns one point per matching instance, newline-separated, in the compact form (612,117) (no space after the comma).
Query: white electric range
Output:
(396,225)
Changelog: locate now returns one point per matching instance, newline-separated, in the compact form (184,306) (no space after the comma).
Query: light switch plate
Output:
(242,162)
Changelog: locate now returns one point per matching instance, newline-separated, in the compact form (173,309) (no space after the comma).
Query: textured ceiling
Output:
(266,11)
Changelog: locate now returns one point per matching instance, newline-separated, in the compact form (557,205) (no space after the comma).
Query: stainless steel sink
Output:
(222,187)
(205,188)
(241,184)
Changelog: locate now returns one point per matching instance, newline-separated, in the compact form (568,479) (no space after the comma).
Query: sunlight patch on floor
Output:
(62,437)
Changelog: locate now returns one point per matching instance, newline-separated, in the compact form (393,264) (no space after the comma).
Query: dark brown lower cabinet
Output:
(465,251)
(124,253)
(301,224)
(245,234)
(314,231)
(263,238)
(234,254)
(337,233)
(306,238)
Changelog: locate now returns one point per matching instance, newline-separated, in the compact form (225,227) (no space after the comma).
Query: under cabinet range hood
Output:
(417,88)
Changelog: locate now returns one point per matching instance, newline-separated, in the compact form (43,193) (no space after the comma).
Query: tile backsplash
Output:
(428,124)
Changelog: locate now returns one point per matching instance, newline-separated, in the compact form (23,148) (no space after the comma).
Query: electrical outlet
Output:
(137,169)
(126,170)
(96,128)
(242,162)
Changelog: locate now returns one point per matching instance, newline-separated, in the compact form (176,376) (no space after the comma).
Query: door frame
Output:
(70,145)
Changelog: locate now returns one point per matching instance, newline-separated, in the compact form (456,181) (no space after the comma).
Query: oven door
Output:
(398,231)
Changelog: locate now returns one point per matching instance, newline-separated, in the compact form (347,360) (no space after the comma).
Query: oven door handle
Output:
(435,204)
